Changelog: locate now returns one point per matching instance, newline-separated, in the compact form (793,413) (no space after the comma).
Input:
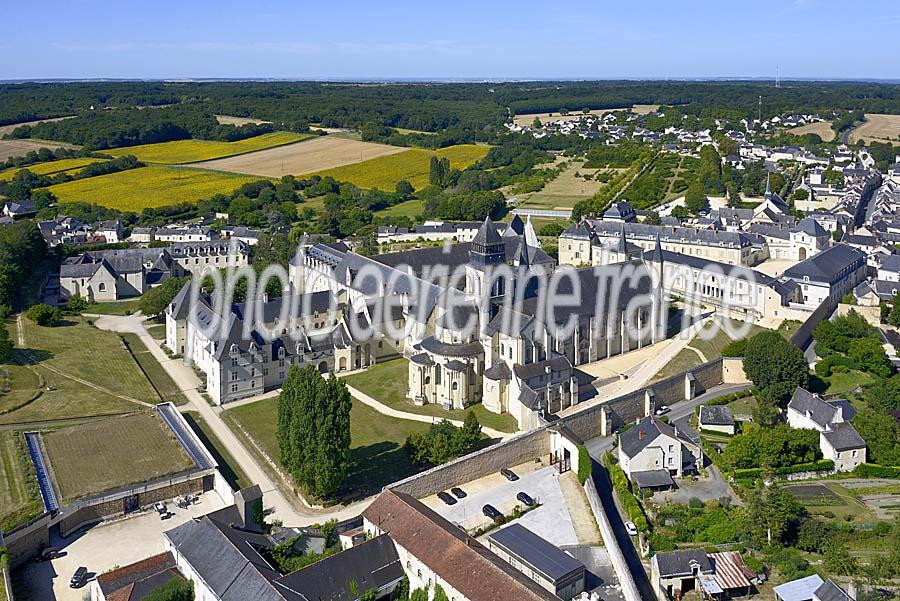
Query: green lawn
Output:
(386,382)
(840,383)
(158,331)
(376,454)
(228,467)
(683,361)
(123,307)
(409,208)
(20,499)
(159,378)
(19,385)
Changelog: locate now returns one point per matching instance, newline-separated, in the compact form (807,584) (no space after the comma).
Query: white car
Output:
(663,409)
(630,528)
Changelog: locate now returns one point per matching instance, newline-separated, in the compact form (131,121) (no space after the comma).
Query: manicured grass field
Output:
(20,499)
(50,167)
(840,383)
(192,151)
(122,307)
(159,378)
(410,165)
(386,382)
(90,458)
(81,351)
(19,385)
(376,453)
(228,467)
(410,208)
(153,186)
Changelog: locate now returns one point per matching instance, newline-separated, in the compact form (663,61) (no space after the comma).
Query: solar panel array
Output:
(48,494)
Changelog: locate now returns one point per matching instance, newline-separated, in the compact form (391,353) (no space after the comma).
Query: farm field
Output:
(153,186)
(229,120)
(90,458)
(50,167)
(192,151)
(878,128)
(19,498)
(411,165)
(821,128)
(377,455)
(324,152)
(16,148)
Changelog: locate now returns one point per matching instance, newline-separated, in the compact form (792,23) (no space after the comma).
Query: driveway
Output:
(550,521)
(712,488)
(102,548)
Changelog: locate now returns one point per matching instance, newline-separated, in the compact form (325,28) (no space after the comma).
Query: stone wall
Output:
(92,512)
(27,540)
(522,448)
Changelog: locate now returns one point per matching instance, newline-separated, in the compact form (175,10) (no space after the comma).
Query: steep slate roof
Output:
(891,263)
(643,231)
(460,560)
(679,563)
(820,411)
(631,443)
(487,234)
(372,565)
(844,437)
(716,415)
(826,265)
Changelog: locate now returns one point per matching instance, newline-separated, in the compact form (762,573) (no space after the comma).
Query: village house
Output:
(651,445)
(838,439)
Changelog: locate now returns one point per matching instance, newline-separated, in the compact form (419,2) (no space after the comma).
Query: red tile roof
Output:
(457,558)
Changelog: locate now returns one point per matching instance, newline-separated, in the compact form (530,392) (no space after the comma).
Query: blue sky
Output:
(457,39)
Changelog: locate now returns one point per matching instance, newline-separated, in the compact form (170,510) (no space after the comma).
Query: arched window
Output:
(101,287)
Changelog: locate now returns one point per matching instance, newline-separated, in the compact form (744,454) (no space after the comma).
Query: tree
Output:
(734,198)
(155,300)
(652,218)
(175,589)
(869,355)
(536,124)
(313,430)
(439,594)
(800,194)
(44,315)
(774,514)
(6,345)
(403,188)
(772,361)
(894,315)
(695,199)
(882,435)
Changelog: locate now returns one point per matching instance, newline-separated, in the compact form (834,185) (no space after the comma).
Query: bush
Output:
(629,502)
(44,315)
(585,465)
(871,470)
(735,348)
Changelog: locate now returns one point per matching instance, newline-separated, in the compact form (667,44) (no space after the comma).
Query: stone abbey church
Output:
(486,335)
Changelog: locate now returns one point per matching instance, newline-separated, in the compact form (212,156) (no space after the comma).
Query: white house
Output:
(838,439)
(651,445)
(828,275)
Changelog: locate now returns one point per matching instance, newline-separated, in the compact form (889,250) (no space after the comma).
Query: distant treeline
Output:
(468,110)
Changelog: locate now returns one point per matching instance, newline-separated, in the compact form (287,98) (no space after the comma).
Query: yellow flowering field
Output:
(50,167)
(192,151)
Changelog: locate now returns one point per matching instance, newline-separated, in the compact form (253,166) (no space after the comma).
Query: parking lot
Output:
(101,548)
(551,520)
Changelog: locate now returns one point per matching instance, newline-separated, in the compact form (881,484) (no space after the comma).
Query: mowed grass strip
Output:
(153,186)
(51,167)
(19,499)
(159,378)
(91,458)
(386,383)
(192,151)
(91,354)
(411,165)
(377,455)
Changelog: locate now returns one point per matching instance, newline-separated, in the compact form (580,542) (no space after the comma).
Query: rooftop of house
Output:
(641,435)
(827,265)
(844,437)
(682,563)
(716,415)
(135,580)
(460,560)
(819,410)
(538,554)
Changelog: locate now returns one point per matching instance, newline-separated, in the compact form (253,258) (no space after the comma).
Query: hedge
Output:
(827,366)
(754,473)
(873,470)
(724,399)
(632,506)
(584,464)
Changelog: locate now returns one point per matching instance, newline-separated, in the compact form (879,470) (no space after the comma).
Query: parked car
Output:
(525,499)
(630,528)
(446,498)
(458,492)
(492,512)
(79,578)
(662,410)
(509,474)
(49,553)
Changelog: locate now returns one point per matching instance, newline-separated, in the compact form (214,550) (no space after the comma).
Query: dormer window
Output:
(233,350)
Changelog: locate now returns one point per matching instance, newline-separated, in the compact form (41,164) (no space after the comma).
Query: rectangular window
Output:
(234,387)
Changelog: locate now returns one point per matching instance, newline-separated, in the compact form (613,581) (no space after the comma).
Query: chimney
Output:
(641,434)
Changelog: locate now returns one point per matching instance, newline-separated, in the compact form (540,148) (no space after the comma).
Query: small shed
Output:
(716,418)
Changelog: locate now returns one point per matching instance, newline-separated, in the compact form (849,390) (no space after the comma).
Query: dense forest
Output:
(467,108)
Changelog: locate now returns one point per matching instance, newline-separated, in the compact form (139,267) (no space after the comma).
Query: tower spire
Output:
(768,184)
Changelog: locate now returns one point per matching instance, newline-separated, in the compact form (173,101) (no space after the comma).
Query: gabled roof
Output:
(820,411)
(844,437)
(827,265)
(716,415)
(135,572)
(681,563)
(460,560)
(487,234)
(536,553)
(637,438)
(829,591)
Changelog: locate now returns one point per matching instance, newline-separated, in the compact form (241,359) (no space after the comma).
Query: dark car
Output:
(49,553)
(79,578)
(491,512)
(509,474)
(525,499)
(458,492)
(446,498)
